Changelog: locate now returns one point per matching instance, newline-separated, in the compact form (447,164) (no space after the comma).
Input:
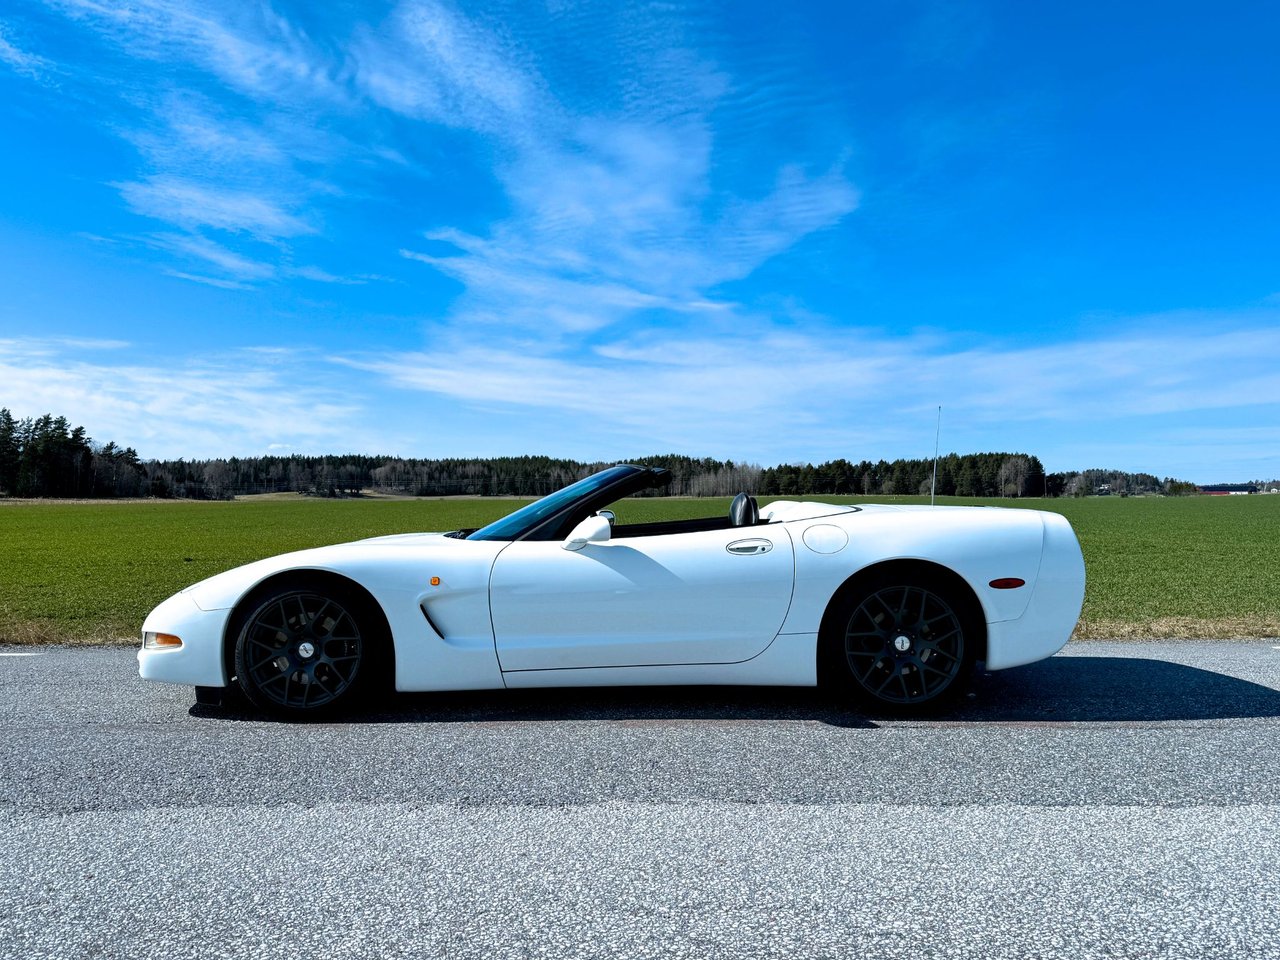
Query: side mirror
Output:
(608,515)
(591,530)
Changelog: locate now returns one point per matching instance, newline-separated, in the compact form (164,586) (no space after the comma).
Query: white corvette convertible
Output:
(891,604)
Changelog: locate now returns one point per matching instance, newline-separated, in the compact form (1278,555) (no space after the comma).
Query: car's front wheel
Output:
(902,645)
(305,651)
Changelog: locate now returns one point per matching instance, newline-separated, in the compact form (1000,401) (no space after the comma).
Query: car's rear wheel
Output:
(305,651)
(902,645)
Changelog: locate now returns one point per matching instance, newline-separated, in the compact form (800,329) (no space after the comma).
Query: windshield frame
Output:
(552,516)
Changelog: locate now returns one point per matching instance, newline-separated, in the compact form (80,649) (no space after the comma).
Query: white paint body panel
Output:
(397,572)
(980,544)
(644,601)
(1054,607)
(788,661)
(199,660)
(668,609)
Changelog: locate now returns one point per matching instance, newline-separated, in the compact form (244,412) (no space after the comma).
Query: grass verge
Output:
(1200,567)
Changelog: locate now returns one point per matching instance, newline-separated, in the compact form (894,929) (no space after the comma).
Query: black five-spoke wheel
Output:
(904,645)
(301,652)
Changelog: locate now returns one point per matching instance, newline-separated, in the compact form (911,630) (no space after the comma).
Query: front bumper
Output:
(199,661)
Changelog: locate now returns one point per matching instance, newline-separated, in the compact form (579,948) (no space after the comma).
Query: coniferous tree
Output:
(9,452)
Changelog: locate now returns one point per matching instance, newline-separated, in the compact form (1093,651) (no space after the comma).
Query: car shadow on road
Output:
(1071,689)
(632,706)
(1077,689)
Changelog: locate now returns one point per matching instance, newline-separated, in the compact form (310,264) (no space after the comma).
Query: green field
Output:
(89,572)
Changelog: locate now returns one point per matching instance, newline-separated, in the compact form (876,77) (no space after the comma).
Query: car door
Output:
(717,596)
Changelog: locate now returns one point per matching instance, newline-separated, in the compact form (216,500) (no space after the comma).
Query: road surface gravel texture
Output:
(1119,800)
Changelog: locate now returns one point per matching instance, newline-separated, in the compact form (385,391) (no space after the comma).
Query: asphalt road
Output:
(1119,800)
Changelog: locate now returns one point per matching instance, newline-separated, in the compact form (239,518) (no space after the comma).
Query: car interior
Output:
(743,512)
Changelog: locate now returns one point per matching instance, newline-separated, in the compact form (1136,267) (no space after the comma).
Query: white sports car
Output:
(891,604)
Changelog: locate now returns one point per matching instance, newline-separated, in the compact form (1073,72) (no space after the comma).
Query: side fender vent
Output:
(430,623)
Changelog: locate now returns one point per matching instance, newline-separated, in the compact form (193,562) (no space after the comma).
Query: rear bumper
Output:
(1039,633)
(1051,615)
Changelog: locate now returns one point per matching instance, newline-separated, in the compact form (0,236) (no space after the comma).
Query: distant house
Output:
(1228,489)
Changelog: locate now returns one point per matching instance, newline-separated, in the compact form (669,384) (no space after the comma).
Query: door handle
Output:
(749,548)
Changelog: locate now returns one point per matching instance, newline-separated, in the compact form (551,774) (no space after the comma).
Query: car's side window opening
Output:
(633,530)
(626,530)
(742,513)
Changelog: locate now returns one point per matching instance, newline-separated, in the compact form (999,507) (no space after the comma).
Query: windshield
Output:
(514,524)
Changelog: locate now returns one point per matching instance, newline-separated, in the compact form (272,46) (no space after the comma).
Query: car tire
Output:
(307,651)
(902,644)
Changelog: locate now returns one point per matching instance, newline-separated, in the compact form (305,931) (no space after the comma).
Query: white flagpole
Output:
(933,489)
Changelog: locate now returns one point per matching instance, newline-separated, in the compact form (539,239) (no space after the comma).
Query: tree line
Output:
(47,457)
(960,475)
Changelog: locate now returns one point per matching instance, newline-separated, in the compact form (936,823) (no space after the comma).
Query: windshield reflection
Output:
(513,525)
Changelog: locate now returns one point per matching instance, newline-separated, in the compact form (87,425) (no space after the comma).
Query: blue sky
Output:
(761,232)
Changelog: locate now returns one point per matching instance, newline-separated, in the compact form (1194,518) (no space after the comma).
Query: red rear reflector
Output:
(1008,583)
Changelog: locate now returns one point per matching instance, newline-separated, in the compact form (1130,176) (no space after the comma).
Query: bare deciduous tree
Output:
(1013,476)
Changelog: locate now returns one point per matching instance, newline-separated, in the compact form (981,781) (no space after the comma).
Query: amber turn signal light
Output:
(160,641)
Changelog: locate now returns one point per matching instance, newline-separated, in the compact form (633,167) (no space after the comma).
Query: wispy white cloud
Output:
(317,275)
(238,272)
(1179,370)
(230,109)
(54,346)
(216,255)
(616,208)
(599,239)
(429,61)
(193,204)
(181,406)
(250,47)
(220,282)
(21,61)
(616,204)
(633,172)
(191,131)
(846,391)
(767,396)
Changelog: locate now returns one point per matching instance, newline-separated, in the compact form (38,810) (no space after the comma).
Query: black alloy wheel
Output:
(302,652)
(905,646)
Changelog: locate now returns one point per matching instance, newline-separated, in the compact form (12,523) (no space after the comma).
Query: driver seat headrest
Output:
(744,511)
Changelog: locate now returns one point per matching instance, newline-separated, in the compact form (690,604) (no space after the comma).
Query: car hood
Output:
(409,539)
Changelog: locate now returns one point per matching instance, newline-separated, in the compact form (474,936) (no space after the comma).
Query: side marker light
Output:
(1007,583)
(435,581)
